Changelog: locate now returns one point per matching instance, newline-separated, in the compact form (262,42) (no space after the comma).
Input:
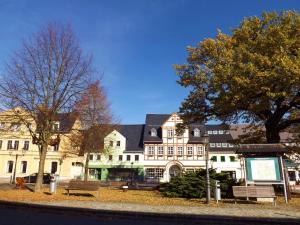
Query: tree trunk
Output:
(272,134)
(86,166)
(40,175)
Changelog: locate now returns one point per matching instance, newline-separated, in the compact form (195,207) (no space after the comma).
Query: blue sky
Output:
(134,43)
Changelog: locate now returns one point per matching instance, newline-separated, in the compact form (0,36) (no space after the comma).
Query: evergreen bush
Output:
(192,185)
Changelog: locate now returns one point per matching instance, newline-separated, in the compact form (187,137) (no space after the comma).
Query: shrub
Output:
(192,185)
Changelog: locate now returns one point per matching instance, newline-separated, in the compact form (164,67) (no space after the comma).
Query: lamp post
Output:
(131,180)
(206,144)
(15,166)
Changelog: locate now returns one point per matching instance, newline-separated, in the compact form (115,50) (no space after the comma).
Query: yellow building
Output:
(19,157)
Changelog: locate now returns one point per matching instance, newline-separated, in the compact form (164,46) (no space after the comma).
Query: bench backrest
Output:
(84,185)
(253,191)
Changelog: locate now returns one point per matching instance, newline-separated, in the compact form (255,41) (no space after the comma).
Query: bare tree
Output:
(97,121)
(45,77)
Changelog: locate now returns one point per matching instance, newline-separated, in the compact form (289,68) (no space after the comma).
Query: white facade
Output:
(174,154)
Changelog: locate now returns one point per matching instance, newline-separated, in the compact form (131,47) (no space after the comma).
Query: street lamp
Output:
(131,182)
(206,144)
(15,166)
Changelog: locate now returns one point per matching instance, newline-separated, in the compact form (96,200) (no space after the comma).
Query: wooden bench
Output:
(83,186)
(254,192)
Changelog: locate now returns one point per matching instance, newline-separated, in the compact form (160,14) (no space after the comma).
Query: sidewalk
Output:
(245,210)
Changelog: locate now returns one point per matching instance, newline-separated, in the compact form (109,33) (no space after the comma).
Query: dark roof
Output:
(261,148)
(133,135)
(192,137)
(154,121)
(66,121)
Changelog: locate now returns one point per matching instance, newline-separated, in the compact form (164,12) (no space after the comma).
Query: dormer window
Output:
(196,132)
(55,126)
(153,132)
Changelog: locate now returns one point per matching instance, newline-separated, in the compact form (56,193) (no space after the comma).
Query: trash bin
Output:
(217,191)
(53,184)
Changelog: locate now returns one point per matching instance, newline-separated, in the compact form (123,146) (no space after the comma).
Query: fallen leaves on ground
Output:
(130,196)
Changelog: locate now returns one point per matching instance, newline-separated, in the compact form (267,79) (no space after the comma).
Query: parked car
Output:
(32,178)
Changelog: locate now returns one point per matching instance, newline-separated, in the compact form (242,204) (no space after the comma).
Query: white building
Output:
(155,151)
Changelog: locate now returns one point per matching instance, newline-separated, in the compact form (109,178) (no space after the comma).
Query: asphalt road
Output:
(26,214)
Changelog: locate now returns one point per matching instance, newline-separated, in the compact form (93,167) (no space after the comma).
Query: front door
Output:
(174,171)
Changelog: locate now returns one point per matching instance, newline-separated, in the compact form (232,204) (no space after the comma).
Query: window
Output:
(221,131)
(98,157)
(118,143)
(153,132)
(128,157)
(200,150)
(136,158)
(10,166)
(16,146)
(55,147)
(212,145)
(170,133)
(151,150)
(15,127)
(110,157)
(190,150)
(160,150)
(91,157)
(26,145)
(219,145)
(23,166)
(222,158)
(111,143)
(154,173)
(196,132)
(189,170)
(170,150)
(79,164)
(209,132)
(215,132)
(232,158)
(227,132)
(53,167)
(230,145)
(179,150)
(224,145)
(0,144)
(55,126)
(214,159)
(120,157)
(2,125)
(9,144)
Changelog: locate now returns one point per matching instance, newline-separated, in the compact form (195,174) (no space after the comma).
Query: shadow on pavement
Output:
(28,214)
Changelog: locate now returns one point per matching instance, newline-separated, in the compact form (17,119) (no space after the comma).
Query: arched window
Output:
(153,132)
(196,132)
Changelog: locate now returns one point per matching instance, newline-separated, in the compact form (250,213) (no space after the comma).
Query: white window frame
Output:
(151,150)
(209,132)
(170,133)
(200,150)
(196,132)
(219,145)
(224,145)
(212,145)
(160,150)
(171,150)
(180,150)
(215,132)
(190,150)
